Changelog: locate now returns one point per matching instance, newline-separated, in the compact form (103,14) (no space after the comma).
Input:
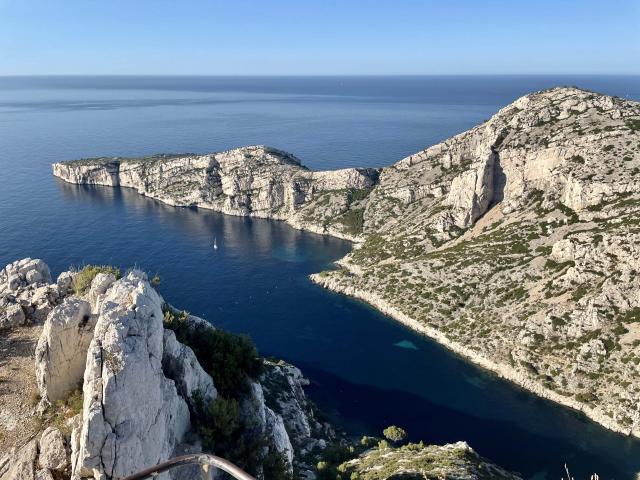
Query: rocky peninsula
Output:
(253,181)
(514,244)
(123,381)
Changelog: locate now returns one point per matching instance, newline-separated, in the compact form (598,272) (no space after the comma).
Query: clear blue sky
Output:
(273,37)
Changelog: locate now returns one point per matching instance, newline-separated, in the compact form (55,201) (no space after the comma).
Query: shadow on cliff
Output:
(499,181)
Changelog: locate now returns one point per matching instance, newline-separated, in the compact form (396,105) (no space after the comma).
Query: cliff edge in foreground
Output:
(126,381)
(514,243)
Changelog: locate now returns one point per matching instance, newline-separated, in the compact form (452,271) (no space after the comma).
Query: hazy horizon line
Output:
(328,75)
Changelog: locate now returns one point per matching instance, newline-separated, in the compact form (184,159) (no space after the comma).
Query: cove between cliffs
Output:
(256,283)
(501,370)
(256,162)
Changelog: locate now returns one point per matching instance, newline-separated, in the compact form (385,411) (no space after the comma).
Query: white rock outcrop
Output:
(138,382)
(256,181)
(53,453)
(62,349)
(24,272)
(64,282)
(279,436)
(471,192)
(99,286)
(19,464)
(290,418)
(26,293)
(132,414)
(38,459)
(14,315)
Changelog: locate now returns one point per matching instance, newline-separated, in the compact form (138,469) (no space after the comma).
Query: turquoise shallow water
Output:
(366,370)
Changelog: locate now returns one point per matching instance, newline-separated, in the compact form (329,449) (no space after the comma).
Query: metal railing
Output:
(206,462)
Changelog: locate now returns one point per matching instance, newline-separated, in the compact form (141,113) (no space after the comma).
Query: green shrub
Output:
(558,266)
(62,410)
(84,277)
(620,330)
(572,216)
(355,194)
(229,359)
(275,467)
(395,434)
(368,442)
(544,249)
(217,421)
(579,292)
(224,432)
(587,397)
(518,247)
(353,221)
(332,457)
(325,471)
(633,124)
(631,316)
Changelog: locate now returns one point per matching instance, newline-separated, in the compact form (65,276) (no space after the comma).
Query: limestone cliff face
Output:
(514,243)
(568,144)
(132,415)
(250,181)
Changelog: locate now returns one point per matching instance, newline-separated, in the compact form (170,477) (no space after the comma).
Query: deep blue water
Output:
(366,370)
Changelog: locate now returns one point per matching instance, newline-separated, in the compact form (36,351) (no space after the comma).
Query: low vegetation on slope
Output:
(391,458)
(82,280)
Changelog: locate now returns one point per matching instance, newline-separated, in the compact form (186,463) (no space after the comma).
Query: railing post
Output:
(206,471)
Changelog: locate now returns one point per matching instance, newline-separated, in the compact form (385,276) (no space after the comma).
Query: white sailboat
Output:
(215,243)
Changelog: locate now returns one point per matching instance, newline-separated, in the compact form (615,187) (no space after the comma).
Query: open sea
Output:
(366,370)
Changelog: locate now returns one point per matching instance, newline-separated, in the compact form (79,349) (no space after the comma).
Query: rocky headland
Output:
(255,181)
(514,244)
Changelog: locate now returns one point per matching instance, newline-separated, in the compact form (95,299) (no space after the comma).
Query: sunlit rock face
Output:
(26,293)
(132,415)
(62,349)
(250,181)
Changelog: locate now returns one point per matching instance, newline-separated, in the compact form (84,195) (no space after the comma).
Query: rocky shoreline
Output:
(502,371)
(255,181)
